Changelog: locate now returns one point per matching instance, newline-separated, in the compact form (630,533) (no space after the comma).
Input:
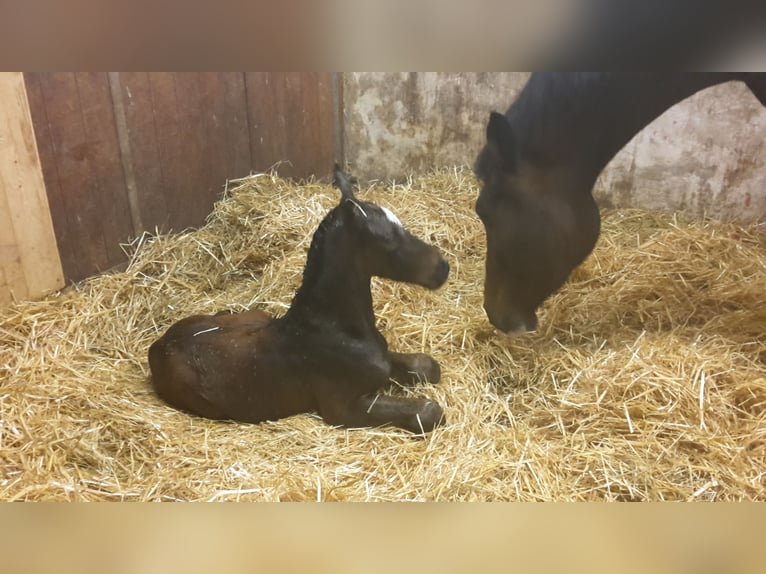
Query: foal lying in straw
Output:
(325,354)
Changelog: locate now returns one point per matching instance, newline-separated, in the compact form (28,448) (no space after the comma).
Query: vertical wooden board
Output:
(198,138)
(213,143)
(317,153)
(196,164)
(295,125)
(227,140)
(326,147)
(291,117)
(203,140)
(235,124)
(65,235)
(268,121)
(33,253)
(173,148)
(338,105)
(319,115)
(300,91)
(12,282)
(102,155)
(180,140)
(77,186)
(138,105)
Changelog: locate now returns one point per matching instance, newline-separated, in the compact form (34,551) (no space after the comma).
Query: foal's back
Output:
(221,366)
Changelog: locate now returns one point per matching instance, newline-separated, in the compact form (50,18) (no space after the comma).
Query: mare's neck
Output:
(577,122)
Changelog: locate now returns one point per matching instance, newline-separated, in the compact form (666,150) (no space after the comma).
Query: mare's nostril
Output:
(511,322)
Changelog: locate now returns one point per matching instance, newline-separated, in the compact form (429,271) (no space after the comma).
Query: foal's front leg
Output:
(413,368)
(415,415)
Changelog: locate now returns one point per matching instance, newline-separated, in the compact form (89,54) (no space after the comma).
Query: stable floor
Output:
(645,381)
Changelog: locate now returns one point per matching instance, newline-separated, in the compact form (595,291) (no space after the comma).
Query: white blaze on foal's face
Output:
(391,217)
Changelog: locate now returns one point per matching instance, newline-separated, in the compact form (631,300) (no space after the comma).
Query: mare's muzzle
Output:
(511,321)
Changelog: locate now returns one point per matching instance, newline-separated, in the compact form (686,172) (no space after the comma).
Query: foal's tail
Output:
(343,182)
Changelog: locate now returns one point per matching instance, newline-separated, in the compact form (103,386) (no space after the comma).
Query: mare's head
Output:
(383,246)
(539,225)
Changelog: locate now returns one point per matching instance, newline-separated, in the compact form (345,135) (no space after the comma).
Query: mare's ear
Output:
(501,144)
(343,182)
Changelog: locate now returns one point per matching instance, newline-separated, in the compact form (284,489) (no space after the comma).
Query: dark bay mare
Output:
(325,354)
(538,168)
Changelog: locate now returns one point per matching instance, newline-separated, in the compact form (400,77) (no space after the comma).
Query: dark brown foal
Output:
(325,354)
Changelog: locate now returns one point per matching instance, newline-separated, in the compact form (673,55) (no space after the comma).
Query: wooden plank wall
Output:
(291,118)
(122,153)
(29,262)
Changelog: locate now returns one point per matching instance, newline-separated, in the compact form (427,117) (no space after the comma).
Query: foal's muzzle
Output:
(439,275)
(435,274)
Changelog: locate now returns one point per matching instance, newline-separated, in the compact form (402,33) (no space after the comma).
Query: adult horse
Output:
(538,168)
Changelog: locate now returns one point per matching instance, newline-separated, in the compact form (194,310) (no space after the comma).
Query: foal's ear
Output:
(343,182)
(501,143)
(351,211)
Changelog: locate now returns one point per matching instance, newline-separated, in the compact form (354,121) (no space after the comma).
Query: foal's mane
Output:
(315,255)
(315,258)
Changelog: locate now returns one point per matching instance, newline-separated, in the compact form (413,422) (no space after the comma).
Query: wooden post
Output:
(29,257)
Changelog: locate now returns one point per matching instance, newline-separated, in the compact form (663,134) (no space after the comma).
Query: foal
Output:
(325,354)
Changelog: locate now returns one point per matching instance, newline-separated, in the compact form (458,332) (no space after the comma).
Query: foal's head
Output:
(383,246)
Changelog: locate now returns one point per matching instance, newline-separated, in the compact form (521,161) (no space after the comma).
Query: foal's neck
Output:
(334,290)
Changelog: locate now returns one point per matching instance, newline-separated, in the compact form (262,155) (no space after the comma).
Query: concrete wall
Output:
(406,123)
(705,155)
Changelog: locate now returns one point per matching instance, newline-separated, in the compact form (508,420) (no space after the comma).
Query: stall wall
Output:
(127,152)
(705,156)
(29,262)
(123,153)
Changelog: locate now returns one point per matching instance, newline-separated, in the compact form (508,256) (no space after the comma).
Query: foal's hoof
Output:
(425,368)
(431,416)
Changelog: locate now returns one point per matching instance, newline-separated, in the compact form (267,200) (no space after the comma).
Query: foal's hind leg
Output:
(372,410)
(413,368)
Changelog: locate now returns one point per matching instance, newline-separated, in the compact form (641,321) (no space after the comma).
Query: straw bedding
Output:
(646,380)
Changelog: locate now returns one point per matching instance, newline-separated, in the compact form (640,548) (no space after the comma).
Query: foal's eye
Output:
(392,235)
